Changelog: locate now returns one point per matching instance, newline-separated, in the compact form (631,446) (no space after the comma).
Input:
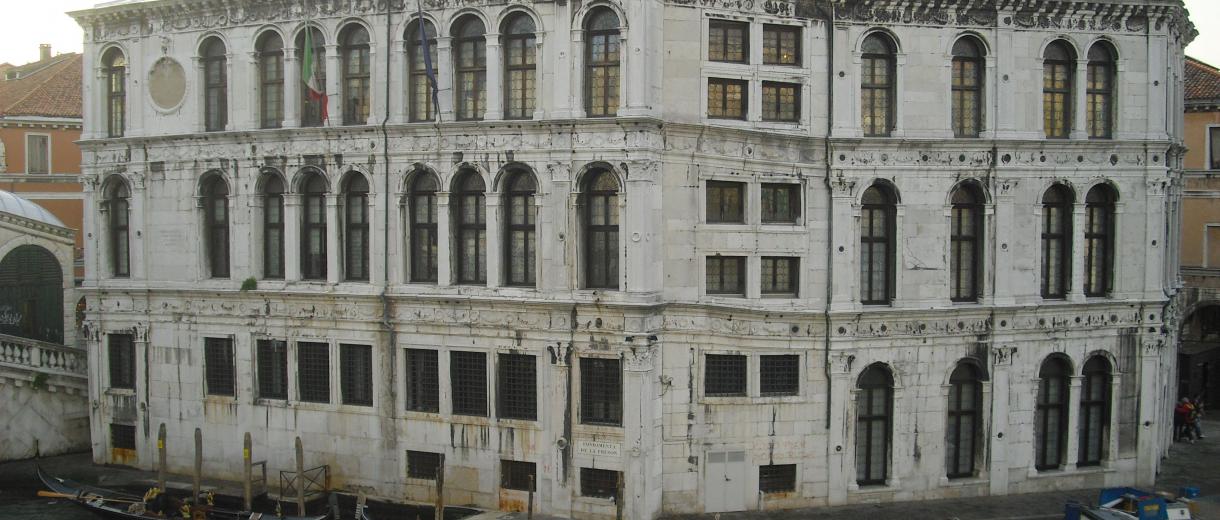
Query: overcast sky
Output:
(44,21)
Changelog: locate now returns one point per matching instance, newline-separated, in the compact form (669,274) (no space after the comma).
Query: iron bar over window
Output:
(877,85)
(724,375)
(271,80)
(121,351)
(781,203)
(1100,81)
(874,419)
(517,475)
(1094,411)
(726,275)
(216,217)
(471,229)
(312,108)
(470,68)
(273,228)
(601,392)
(219,378)
(1051,414)
(313,372)
(356,368)
(601,63)
(599,483)
(423,381)
(423,464)
(1056,241)
(422,107)
(423,212)
(356,236)
(1058,68)
(522,247)
(1099,240)
(520,67)
(518,387)
(781,45)
(115,72)
(357,95)
(601,215)
(781,102)
(727,98)
(780,276)
(272,369)
(779,375)
(728,41)
(313,232)
(468,377)
(967,87)
(961,439)
(215,85)
(877,244)
(122,436)
(966,243)
(37,154)
(777,478)
(117,204)
(726,202)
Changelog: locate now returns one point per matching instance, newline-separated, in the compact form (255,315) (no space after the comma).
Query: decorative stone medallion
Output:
(167,84)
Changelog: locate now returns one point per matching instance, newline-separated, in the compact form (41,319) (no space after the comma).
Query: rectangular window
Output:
(777,478)
(726,275)
(1213,145)
(313,372)
(517,475)
(122,352)
(521,73)
(779,375)
(356,366)
(781,45)
(601,392)
(518,389)
(781,102)
(423,464)
(724,375)
(728,41)
(599,483)
(272,369)
(123,436)
(37,154)
(218,366)
(727,98)
(781,203)
(468,375)
(726,202)
(780,276)
(423,381)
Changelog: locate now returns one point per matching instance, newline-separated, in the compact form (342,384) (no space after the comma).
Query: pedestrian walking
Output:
(1181,420)
(1196,420)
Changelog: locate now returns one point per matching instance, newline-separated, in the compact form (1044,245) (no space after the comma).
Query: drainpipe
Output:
(386,324)
(830,214)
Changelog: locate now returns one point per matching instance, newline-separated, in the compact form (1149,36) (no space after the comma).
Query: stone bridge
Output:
(44,398)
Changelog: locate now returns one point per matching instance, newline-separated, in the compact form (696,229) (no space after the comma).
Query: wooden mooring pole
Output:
(300,478)
(247,486)
(529,508)
(161,458)
(440,489)
(618,497)
(198,464)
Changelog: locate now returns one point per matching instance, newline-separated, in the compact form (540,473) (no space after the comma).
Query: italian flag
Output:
(316,92)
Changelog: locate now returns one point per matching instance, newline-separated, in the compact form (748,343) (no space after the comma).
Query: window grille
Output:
(517,475)
(781,203)
(122,352)
(961,439)
(313,232)
(272,369)
(520,230)
(423,209)
(877,247)
(601,392)
(1094,411)
(423,464)
(216,88)
(218,366)
(1098,240)
(356,366)
(777,478)
(470,208)
(780,276)
(602,63)
(520,67)
(874,413)
(423,381)
(271,80)
(1051,414)
(727,98)
(781,45)
(116,91)
(967,87)
(728,41)
(726,202)
(1058,68)
(598,483)
(877,85)
(518,388)
(1099,87)
(726,275)
(966,241)
(1056,241)
(273,228)
(356,91)
(781,102)
(724,375)
(313,372)
(601,216)
(216,216)
(779,375)
(356,237)
(468,375)
(123,436)
(470,69)
(117,205)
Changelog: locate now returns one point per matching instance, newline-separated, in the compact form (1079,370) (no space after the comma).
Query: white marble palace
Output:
(743,254)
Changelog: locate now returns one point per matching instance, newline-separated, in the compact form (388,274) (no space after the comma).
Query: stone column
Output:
(1076,251)
(239,250)
(94,215)
(133,120)
(558,398)
(495,239)
(376,240)
(837,441)
(1072,450)
(334,249)
(231,83)
(135,227)
(541,69)
(398,91)
(898,128)
(1001,254)
(444,241)
(494,83)
(1155,244)
(197,99)
(254,243)
(334,86)
(638,215)
(843,244)
(378,77)
(574,97)
(998,435)
(642,468)
(1150,409)
(444,80)
(292,236)
(252,109)
(292,89)
(1079,100)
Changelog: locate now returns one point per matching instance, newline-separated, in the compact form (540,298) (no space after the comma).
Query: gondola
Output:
(108,503)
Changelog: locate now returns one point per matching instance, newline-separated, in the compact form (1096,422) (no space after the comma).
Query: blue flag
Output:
(427,51)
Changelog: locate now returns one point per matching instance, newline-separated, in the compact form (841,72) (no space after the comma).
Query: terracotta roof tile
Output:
(50,89)
(1202,81)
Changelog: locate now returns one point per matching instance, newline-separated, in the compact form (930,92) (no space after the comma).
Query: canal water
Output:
(47,508)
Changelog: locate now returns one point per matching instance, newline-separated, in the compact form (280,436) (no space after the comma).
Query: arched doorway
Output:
(32,302)
(1199,355)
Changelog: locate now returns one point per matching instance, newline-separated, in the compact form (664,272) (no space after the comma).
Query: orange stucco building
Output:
(40,122)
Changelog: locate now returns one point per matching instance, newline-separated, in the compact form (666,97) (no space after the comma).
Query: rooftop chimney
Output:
(44,52)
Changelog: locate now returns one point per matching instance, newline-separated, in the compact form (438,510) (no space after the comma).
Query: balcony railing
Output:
(39,356)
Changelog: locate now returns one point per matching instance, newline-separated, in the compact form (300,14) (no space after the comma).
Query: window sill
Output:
(714,400)
(598,430)
(121,391)
(469,420)
(947,482)
(520,424)
(423,416)
(223,399)
(267,401)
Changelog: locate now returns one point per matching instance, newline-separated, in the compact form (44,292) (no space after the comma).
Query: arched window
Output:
(601,216)
(423,227)
(471,229)
(313,230)
(115,71)
(601,63)
(356,228)
(519,229)
(421,103)
(877,246)
(967,87)
(273,228)
(216,224)
(1099,240)
(877,85)
(1051,414)
(215,85)
(356,91)
(470,68)
(520,67)
(874,418)
(1094,411)
(1100,92)
(118,205)
(1056,241)
(311,49)
(270,80)
(961,438)
(33,294)
(966,244)
(1058,68)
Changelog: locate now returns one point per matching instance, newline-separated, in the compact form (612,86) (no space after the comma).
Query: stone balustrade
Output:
(38,356)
